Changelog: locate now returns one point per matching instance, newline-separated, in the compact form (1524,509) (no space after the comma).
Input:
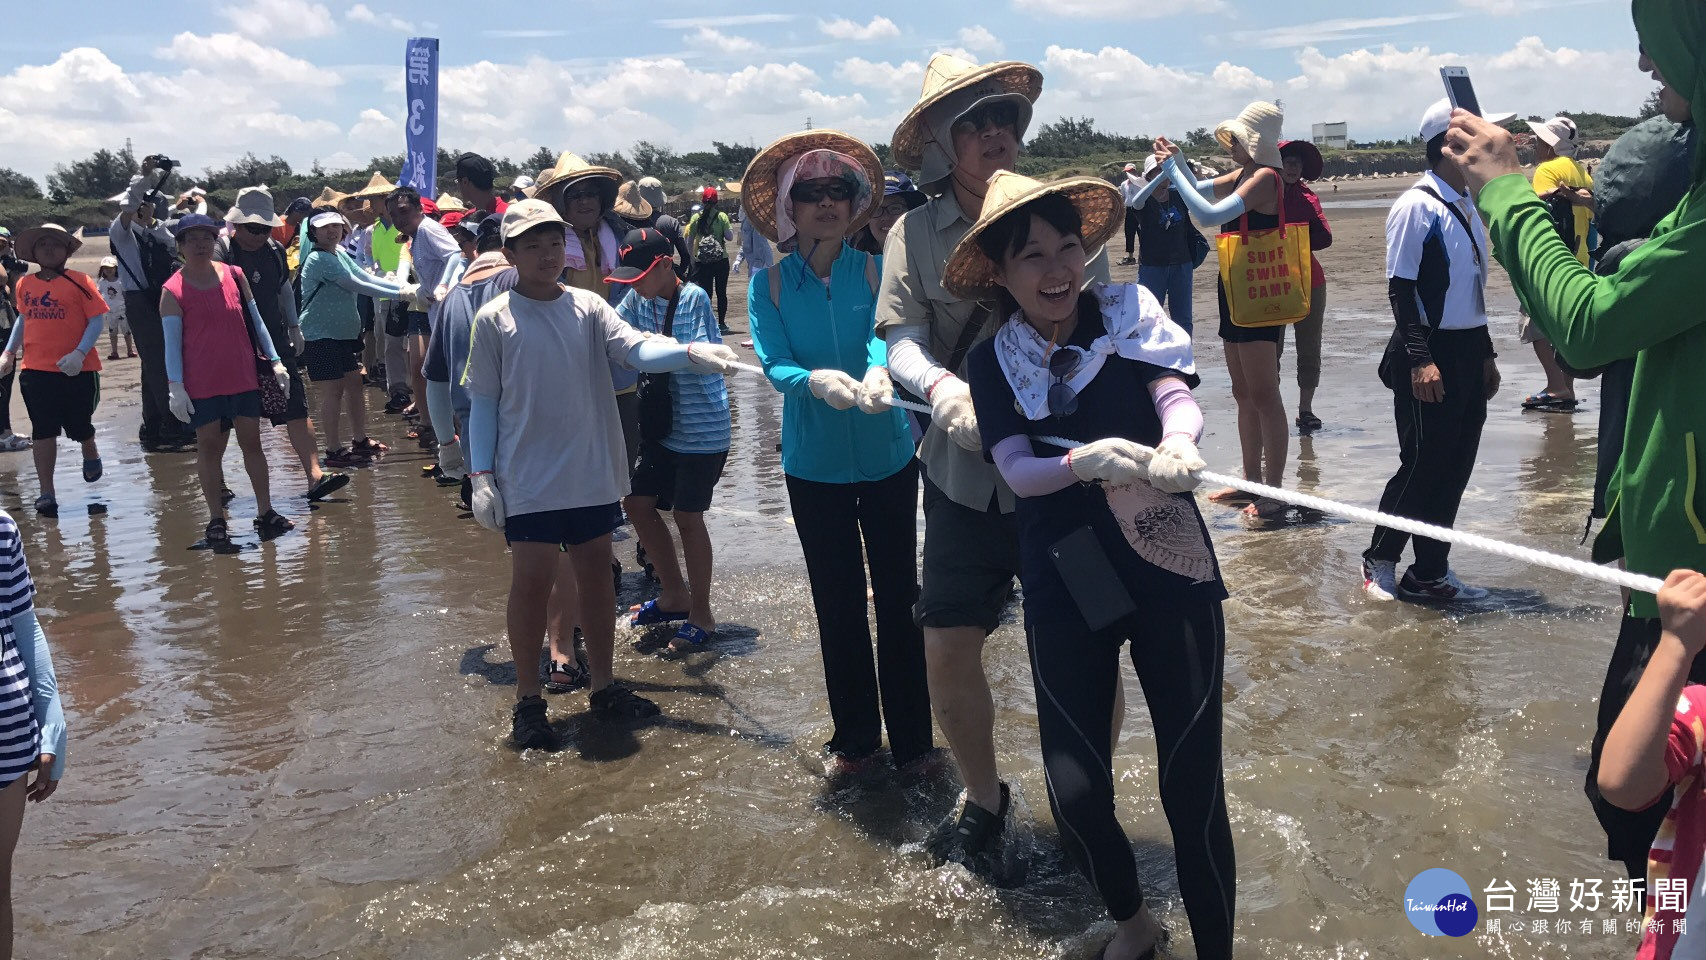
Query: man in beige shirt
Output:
(966,126)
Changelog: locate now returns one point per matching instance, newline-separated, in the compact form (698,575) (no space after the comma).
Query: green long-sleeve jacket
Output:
(1651,309)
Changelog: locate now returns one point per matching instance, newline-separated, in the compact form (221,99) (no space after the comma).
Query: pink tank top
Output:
(219,359)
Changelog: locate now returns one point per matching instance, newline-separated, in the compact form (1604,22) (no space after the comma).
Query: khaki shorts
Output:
(1526,331)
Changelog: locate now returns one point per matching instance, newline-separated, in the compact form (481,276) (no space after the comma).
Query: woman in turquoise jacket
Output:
(846,454)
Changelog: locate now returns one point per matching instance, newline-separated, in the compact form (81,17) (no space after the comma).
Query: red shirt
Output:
(1303,206)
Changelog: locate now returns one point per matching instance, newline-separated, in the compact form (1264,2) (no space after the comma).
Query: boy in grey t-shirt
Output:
(548,465)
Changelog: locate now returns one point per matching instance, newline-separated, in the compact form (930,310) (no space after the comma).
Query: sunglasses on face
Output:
(988,115)
(256,229)
(816,192)
(585,193)
(1062,399)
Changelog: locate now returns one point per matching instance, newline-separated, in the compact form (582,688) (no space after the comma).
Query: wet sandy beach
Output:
(299,750)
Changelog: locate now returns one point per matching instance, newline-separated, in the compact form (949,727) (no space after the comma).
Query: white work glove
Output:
(297,341)
(179,402)
(450,458)
(71,364)
(7,361)
(1173,468)
(835,387)
(951,410)
(282,376)
(1115,460)
(712,357)
(487,503)
(135,191)
(875,392)
(409,292)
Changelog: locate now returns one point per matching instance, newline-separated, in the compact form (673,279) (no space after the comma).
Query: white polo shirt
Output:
(1427,244)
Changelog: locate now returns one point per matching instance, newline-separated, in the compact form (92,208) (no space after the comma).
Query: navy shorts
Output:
(679,481)
(331,359)
(214,409)
(564,528)
(419,325)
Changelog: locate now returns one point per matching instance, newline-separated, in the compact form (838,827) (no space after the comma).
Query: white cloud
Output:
(895,80)
(280,19)
(980,39)
(372,124)
(1326,31)
(709,39)
(880,28)
(228,55)
(1102,10)
(361,13)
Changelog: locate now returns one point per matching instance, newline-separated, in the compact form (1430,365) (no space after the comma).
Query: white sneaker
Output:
(1446,588)
(1380,579)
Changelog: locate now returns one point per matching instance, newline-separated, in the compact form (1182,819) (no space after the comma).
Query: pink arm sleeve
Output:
(1028,475)
(1178,409)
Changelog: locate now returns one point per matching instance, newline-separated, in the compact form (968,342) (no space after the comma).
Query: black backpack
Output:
(158,260)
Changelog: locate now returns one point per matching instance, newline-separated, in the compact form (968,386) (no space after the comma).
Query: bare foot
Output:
(1266,508)
(1231,495)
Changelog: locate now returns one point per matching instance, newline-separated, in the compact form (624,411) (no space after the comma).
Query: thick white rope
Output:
(1540,558)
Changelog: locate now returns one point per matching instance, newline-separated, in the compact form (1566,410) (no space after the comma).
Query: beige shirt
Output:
(914,256)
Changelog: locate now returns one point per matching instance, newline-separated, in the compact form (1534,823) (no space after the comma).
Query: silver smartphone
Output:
(1459,90)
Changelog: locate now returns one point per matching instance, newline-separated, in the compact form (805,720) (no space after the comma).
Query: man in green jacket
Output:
(1649,310)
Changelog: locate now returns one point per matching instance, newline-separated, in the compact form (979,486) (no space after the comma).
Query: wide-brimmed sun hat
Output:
(25,244)
(759,187)
(377,186)
(970,275)
(329,198)
(571,169)
(254,205)
(450,203)
(948,75)
(630,204)
(1258,129)
(1306,153)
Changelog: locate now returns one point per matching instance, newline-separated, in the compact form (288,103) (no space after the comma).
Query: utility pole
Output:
(808,123)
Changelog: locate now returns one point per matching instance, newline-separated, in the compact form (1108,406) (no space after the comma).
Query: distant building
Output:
(1331,135)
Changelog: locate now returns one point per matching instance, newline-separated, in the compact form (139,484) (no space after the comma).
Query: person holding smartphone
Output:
(1112,549)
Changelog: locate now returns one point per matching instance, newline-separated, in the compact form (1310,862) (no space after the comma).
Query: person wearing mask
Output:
(966,126)
(634,205)
(1253,196)
(331,331)
(1079,364)
(1647,311)
(899,197)
(214,331)
(254,253)
(708,233)
(852,480)
(1439,365)
(1564,183)
(147,257)
(1302,165)
(1169,245)
(53,341)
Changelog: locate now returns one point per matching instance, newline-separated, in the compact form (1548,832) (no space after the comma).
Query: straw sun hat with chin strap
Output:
(947,75)
(568,170)
(1258,129)
(758,188)
(970,275)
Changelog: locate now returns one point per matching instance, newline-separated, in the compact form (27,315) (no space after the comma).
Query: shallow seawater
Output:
(299,750)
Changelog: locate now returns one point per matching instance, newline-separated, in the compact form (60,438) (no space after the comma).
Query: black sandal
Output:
(576,670)
(217,533)
(973,833)
(329,484)
(273,524)
(619,702)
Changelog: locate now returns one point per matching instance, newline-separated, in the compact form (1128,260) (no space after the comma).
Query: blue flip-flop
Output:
(691,634)
(650,613)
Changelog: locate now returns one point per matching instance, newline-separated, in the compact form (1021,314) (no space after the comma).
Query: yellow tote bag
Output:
(1265,273)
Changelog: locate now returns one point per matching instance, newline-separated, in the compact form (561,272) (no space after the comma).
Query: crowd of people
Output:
(560,346)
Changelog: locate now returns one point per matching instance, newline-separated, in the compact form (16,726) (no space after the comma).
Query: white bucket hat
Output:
(1258,129)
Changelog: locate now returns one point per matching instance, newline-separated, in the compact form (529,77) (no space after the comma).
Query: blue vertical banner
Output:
(420,86)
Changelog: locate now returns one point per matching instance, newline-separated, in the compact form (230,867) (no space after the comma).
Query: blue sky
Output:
(321,79)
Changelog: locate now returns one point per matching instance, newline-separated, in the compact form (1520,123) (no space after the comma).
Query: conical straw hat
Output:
(970,275)
(329,198)
(947,75)
(630,205)
(377,186)
(758,188)
(450,203)
(570,168)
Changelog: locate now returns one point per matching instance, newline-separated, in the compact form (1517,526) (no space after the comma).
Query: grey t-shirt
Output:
(545,362)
